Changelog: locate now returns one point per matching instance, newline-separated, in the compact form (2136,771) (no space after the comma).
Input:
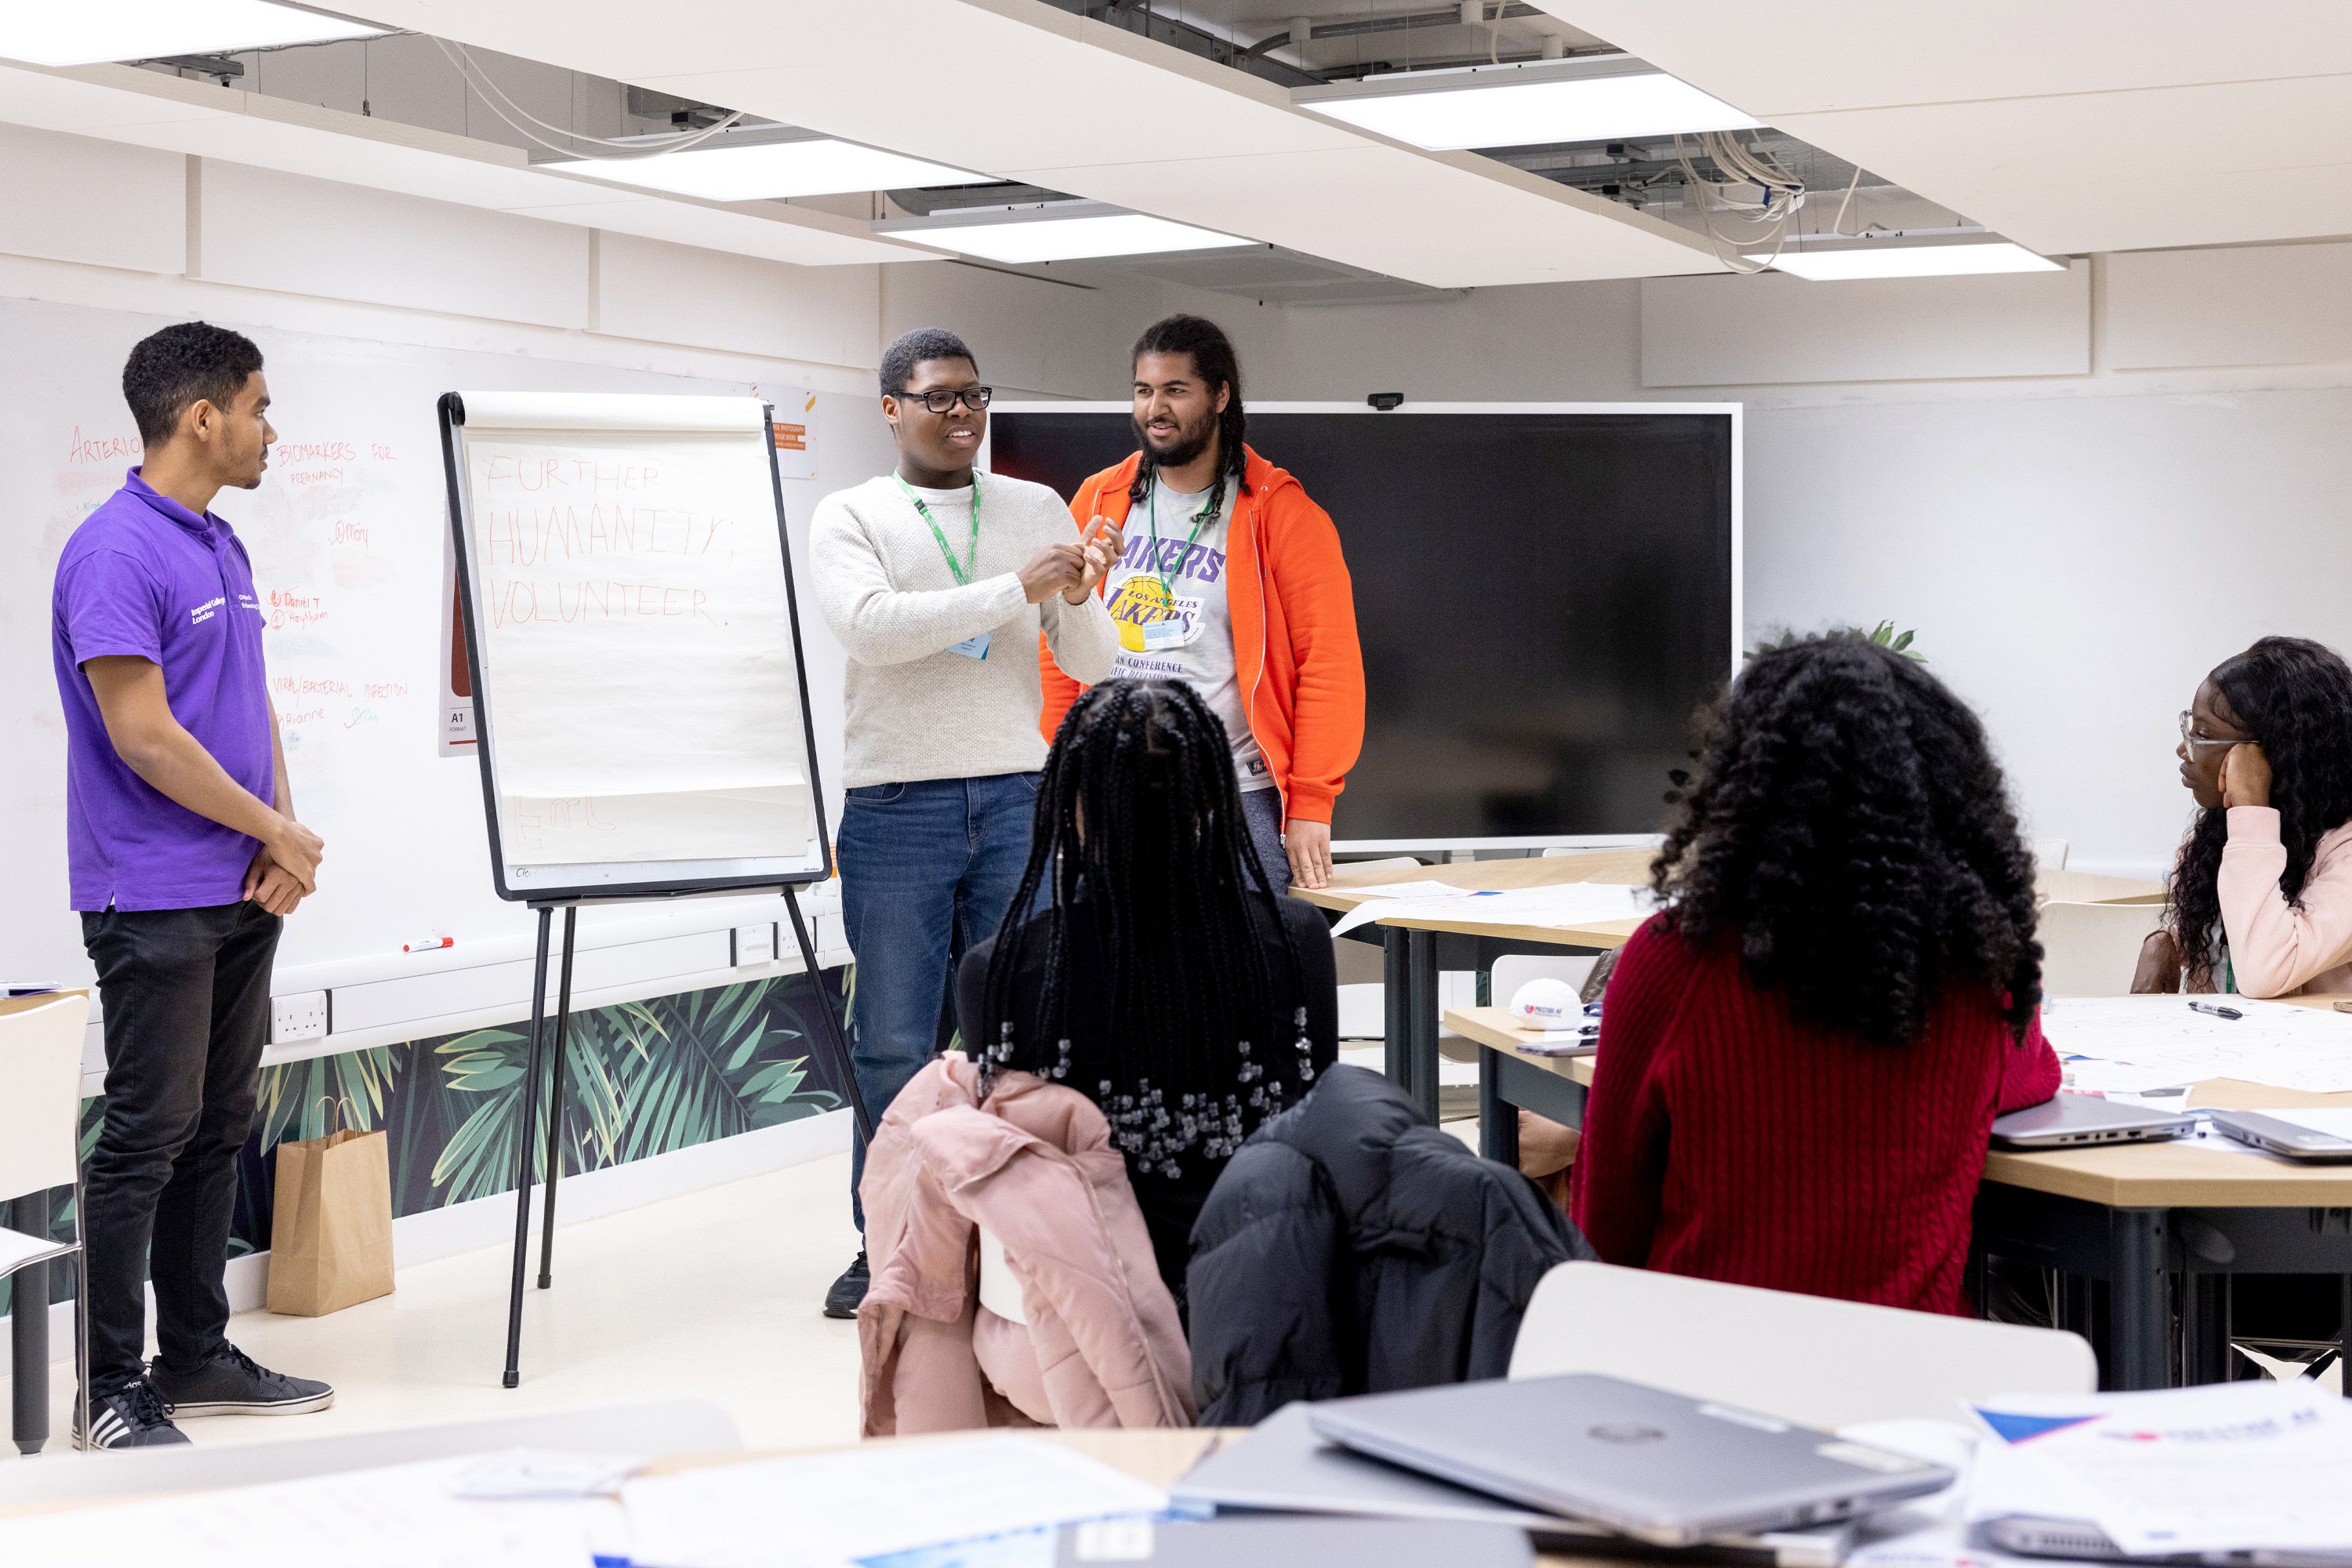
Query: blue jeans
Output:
(927,870)
(1262,812)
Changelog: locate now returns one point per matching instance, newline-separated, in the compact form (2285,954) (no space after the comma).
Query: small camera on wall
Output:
(1385,401)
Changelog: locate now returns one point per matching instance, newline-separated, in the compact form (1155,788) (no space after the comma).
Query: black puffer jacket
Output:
(1351,1248)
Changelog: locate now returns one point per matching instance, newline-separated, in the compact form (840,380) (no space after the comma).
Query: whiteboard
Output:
(351,543)
(637,655)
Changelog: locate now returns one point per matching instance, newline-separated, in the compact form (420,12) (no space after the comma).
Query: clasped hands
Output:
(1073,571)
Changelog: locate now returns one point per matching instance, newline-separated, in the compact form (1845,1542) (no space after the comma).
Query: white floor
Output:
(713,1295)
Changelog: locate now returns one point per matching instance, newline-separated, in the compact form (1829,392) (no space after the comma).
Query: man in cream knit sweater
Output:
(937,581)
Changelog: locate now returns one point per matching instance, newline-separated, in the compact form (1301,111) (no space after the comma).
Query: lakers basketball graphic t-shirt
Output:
(1166,598)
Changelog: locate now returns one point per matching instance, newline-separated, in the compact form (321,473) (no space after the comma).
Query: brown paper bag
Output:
(331,1236)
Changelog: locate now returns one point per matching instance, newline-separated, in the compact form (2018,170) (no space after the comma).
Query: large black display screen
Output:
(1544,598)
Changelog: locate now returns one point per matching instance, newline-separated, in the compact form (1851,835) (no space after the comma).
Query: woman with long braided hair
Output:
(1161,975)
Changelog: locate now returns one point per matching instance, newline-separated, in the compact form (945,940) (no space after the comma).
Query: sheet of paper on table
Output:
(2287,1047)
(823,1510)
(1406,890)
(2224,1468)
(400,1516)
(1572,904)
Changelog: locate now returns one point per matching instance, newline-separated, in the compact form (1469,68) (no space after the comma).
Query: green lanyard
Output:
(1201,520)
(971,556)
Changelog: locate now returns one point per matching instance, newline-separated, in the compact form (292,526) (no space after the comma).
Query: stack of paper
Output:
(2233,1467)
(2148,1042)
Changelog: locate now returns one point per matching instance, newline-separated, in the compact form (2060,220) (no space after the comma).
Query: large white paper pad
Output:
(830,1508)
(635,644)
(2273,1043)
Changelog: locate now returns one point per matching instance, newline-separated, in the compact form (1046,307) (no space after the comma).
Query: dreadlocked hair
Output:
(1213,361)
(1139,812)
(2294,697)
(1852,832)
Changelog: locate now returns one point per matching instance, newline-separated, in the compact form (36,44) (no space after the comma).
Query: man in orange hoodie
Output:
(1232,580)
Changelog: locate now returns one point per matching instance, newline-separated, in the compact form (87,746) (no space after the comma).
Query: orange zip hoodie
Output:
(1294,614)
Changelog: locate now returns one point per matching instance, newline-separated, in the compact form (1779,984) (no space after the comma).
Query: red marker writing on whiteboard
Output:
(427,944)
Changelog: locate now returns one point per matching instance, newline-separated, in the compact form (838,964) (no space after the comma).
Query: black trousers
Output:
(186,997)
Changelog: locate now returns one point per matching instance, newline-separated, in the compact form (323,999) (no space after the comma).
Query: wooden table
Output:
(1415,950)
(2138,1215)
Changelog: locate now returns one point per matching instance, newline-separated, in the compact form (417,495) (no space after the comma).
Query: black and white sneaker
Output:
(841,1301)
(131,1416)
(233,1383)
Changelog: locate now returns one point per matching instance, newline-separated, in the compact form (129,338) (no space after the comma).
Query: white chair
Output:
(654,1429)
(2091,950)
(40,1130)
(1514,970)
(2049,854)
(1806,1358)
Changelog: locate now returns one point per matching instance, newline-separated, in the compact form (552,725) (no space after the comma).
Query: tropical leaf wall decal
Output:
(640,1078)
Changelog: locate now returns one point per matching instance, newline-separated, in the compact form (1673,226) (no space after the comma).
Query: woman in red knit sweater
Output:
(1801,1058)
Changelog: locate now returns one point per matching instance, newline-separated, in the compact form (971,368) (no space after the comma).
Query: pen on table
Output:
(428,943)
(2212,1010)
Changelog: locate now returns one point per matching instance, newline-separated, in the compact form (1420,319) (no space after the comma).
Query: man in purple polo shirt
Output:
(185,856)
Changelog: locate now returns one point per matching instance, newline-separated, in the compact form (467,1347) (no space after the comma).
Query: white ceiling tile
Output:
(2085,125)
(1772,60)
(1415,217)
(2120,170)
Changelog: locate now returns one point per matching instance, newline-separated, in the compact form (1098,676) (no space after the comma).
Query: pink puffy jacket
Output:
(1033,1164)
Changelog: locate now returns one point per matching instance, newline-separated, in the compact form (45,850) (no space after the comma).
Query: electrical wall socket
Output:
(301,1017)
(755,944)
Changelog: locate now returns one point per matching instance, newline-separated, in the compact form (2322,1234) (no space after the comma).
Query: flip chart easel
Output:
(624,571)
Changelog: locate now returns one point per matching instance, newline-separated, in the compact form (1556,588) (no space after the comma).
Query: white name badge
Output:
(1160,636)
(972,648)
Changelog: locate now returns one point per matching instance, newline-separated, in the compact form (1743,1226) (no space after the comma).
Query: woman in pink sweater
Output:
(2262,892)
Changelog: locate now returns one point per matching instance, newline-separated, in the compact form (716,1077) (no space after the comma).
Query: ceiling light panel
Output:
(1021,239)
(816,166)
(1892,260)
(88,32)
(1521,106)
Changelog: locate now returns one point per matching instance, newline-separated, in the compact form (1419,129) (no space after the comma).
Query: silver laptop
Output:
(2288,1140)
(2069,1120)
(2082,1540)
(1281,1466)
(1659,1466)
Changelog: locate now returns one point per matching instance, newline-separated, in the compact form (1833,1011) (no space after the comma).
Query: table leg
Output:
(1422,996)
(1395,986)
(28,1334)
(2139,1336)
(1499,1119)
(2205,1329)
